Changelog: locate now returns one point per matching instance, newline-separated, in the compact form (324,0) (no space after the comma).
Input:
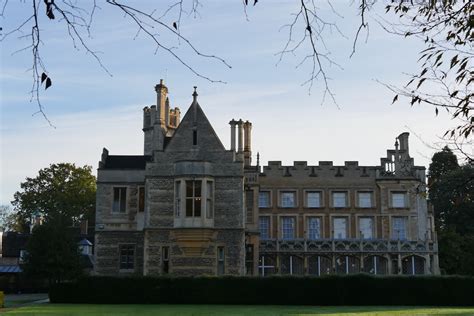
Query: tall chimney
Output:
(247,143)
(161,96)
(403,138)
(241,136)
(232,134)
(167,112)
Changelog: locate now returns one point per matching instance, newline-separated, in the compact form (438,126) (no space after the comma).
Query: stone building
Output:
(189,206)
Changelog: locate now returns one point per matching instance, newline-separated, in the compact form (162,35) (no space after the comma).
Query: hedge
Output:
(328,290)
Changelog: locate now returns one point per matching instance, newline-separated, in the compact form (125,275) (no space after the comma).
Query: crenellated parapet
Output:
(322,169)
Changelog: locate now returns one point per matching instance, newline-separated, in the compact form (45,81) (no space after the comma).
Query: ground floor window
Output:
(375,265)
(266,265)
(413,265)
(220,261)
(319,265)
(127,257)
(249,260)
(290,264)
(165,255)
(347,265)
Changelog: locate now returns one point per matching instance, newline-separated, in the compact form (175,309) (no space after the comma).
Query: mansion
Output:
(190,206)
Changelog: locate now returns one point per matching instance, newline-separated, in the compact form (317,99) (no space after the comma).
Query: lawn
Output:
(198,310)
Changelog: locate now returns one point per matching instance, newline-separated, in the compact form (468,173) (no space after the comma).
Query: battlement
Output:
(396,164)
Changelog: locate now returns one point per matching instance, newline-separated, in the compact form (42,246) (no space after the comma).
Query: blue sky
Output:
(91,109)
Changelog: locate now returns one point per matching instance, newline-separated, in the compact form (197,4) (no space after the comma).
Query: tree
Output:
(62,192)
(451,192)
(445,27)
(52,254)
(9,220)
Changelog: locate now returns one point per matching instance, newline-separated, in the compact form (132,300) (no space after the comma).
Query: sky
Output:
(90,109)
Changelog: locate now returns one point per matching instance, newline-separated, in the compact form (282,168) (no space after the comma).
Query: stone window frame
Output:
(281,191)
(280,225)
(204,197)
(372,199)
(406,199)
(321,226)
(348,225)
(321,198)
(127,199)
(269,217)
(374,226)
(120,245)
(348,198)
(270,196)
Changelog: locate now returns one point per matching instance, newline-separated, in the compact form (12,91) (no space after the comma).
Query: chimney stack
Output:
(241,136)
(232,134)
(161,96)
(247,143)
(403,138)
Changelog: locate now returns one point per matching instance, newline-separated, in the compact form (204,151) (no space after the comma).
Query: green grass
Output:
(214,310)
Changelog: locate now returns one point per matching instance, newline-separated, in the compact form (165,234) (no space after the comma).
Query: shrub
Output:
(328,290)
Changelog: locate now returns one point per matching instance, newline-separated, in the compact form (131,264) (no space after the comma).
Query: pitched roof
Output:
(126,162)
(195,120)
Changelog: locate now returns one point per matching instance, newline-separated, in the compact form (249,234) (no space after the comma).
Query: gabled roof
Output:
(195,120)
(126,162)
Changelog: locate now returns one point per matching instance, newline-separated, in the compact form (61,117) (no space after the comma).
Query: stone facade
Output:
(191,207)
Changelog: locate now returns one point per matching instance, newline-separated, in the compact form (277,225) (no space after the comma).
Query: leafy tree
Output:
(444,79)
(52,253)
(451,192)
(62,193)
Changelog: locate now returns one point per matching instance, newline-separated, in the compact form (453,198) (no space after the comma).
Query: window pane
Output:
(197,188)
(209,189)
(398,200)
(264,226)
(365,199)
(209,199)
(288,199)
(197,207)
(314,228)
(366,227)
(127,258)
(339,199)
(340,228)
(189,207)
(313,199)
(189,188)
(177,192)
(264,199)
(288,227)
(399,228)
(116,204)
(123,200)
